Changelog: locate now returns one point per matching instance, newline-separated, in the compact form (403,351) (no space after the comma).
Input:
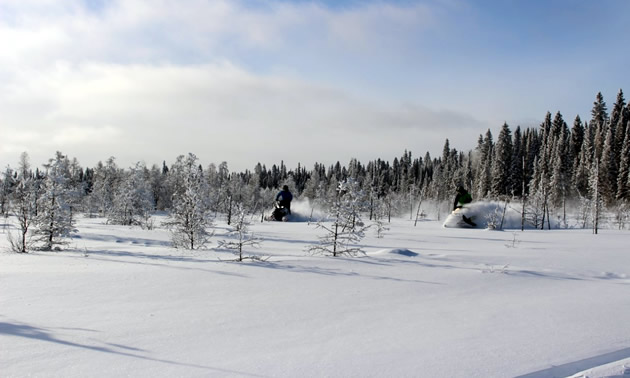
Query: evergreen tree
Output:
(560,176)
(575,144)
(582,172)
(608,170)
(599,125)
(502,163)
(106,179)
(485,150)
(623,177)
(517,171)
(8,182)
(617,122)
(596,200)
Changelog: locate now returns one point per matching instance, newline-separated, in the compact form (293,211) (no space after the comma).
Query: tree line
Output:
(586,165)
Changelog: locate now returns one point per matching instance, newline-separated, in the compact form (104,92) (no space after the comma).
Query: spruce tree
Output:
(575,143)
(516,177)
(8,182)
(484,169)
(599,125)
(582,172)
(608,170)
(502,163)
(623,176)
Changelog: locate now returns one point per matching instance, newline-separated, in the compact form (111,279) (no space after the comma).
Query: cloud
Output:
(140,30)
(218,111)
(149,80)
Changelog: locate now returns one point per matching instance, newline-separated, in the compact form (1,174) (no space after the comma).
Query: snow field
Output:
(424,302)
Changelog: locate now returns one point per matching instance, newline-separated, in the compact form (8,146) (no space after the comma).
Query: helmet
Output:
(286,187)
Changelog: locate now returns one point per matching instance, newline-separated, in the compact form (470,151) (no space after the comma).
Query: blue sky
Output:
(299,81)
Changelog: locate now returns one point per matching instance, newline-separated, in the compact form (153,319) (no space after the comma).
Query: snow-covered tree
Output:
(582,172)
(132,203)
(239,234)
(23,203)
(54,216)
(6,188)
(485,150)
(560,175)
(346,230)
(608,170)
(106,180)
(596,199)
(190,216)
(599,123)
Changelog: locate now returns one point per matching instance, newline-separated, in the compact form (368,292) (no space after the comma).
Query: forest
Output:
(551,171)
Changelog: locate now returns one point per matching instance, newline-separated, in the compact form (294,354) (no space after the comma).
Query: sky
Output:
(248,81)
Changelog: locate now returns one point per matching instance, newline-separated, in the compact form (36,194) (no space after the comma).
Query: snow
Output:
(484,213)
(423,301)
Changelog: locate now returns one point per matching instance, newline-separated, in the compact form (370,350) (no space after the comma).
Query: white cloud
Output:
(220,112)
(149,80)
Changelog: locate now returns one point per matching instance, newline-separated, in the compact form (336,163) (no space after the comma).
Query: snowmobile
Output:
(461,217)
(279,214)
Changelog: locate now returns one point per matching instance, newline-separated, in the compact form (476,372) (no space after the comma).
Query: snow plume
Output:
(303,210)
(490,214)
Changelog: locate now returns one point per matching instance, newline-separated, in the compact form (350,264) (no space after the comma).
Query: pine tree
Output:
(575,143)
(623,177)
(608,170)
(517,174)
(599,125)
(502,163)
(8,182)
(617,122)
(560,176)
(596,200)
(485,149)
(582,172)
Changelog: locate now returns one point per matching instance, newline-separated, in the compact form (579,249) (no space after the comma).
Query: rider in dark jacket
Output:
(284,198)
(462,198)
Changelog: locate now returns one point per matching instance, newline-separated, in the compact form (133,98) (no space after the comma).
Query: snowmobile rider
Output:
(462,198)
(284,198)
